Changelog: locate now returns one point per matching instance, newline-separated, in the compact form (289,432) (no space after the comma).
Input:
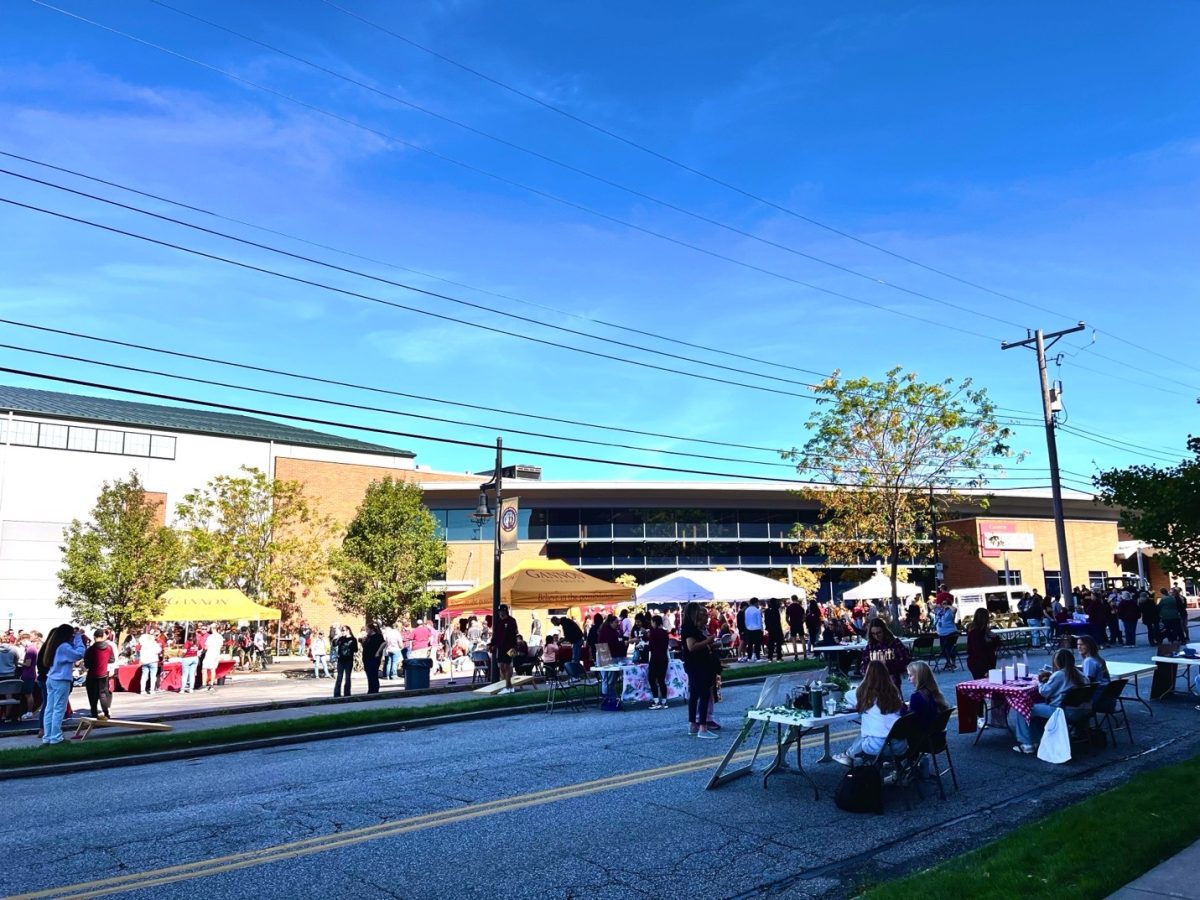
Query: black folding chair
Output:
(903,762)
(933,744)
(1109,709)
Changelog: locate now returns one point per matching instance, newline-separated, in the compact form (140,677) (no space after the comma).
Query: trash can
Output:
(416,673)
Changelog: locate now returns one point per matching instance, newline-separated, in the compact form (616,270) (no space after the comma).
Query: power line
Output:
(687,168)
(1112,443)
(521,185)
(387,391)
(1157,353)
(310,420)
(203,211)
(666,204)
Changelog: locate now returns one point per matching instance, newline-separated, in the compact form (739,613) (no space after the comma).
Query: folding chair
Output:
(483,667)
(903,762)
(561,689)
(923,646)
(1109,707)
(933,744)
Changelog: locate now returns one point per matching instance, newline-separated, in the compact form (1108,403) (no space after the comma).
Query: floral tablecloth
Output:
(1019,695)
(635,685)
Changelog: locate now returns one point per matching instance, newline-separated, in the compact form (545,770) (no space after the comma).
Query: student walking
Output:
(659,646)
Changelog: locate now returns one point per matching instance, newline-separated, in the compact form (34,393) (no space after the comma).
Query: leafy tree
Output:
(1160,507)
(806,579)
(389,554)
(891,450)
(117,565)
(256,534)
(626,580)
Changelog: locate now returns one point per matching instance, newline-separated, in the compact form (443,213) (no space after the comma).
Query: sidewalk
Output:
(1174,878)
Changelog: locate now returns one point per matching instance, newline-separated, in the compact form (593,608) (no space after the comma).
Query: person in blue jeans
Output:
(944,623)
(61,651)
(1053,689)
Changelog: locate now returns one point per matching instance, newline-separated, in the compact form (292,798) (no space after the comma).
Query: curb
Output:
(114,762)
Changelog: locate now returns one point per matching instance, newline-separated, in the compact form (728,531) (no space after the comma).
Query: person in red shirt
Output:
(504,641)
(95,661)
(943,597)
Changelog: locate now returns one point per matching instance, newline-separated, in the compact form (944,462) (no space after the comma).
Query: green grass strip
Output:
(1087,850)
(135,744)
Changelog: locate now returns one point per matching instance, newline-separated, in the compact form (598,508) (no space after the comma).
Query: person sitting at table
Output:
(884,646)
(1095,670)
(1052,688)
(982,644)
(926,700)
(879,706)
(550,655)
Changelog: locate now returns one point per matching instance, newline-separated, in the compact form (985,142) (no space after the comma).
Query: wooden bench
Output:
(87,723)
(497,687)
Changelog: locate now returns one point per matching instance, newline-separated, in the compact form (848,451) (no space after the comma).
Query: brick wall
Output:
(337,490)
(1090,546)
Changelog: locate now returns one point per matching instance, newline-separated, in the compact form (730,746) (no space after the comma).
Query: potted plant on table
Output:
(837,684)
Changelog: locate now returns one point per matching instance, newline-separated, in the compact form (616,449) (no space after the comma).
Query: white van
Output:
(995,598)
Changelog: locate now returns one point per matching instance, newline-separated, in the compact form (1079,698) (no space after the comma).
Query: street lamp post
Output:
(481,515)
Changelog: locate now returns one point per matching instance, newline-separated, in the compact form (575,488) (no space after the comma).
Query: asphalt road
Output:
(596,805)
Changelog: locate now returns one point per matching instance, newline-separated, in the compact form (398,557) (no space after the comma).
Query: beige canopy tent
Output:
(544,584)
(212,605)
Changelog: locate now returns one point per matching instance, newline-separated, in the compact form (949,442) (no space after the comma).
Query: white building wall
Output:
(42,490)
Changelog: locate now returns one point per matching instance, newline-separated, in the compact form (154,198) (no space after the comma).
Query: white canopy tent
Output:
(704,585)
(879,587)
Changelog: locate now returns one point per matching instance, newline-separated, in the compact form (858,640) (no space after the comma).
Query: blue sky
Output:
(1047,154)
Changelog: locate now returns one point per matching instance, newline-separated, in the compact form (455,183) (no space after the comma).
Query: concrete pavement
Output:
(1174,878)
(602,805)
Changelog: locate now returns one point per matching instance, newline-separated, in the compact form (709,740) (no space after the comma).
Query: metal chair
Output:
(923,646)
(483,667)
(561,689)
(1109,708)
(932,744)
(903,762)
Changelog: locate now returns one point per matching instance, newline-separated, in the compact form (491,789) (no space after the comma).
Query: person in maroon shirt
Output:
(658,648)
(95,661)
(504,641)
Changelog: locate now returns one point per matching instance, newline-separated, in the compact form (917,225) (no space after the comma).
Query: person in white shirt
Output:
(880,706)
(148,655)
(626,624)
(320,655)
(393,650)
(212,655)
(754,629)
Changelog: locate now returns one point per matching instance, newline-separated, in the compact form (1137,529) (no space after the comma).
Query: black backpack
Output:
(860,791)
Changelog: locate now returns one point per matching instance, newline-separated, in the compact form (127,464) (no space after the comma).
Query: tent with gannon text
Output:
(544,584)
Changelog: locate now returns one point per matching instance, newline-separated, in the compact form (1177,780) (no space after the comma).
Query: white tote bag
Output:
(1056,743)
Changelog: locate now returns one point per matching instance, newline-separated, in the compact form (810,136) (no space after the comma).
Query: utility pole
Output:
(497,551)
(1038,340)
(938,573)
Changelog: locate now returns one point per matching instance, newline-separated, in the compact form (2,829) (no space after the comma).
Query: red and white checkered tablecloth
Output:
(1020,695)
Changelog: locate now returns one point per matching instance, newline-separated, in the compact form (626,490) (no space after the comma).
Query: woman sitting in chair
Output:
(1053,689)
(926,701)
(880,706)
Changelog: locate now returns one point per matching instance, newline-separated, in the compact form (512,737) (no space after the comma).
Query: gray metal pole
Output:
(496,558)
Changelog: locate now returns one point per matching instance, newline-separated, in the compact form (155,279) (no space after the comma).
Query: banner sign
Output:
(508,523)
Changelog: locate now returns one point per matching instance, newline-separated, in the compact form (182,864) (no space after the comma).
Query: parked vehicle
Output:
(998,599)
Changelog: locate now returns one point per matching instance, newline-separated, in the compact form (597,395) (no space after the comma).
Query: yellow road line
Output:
(338,840)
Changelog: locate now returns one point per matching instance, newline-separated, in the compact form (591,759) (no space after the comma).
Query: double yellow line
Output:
(250,858)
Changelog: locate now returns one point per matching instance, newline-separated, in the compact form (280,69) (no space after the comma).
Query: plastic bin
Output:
(416,673)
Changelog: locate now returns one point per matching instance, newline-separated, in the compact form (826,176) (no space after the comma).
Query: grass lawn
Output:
(135,744)
(1086,850)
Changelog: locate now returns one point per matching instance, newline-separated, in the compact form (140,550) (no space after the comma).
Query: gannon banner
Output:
(508,523)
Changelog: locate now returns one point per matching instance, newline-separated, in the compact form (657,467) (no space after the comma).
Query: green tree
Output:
(1160,507)
(805,579)
(890,451)
(256,534)
(117,565)
(389,555)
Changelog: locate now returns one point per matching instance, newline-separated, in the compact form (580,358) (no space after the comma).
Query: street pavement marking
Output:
(337,840)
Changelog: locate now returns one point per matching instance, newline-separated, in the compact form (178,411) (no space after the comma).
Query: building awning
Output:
(212,605)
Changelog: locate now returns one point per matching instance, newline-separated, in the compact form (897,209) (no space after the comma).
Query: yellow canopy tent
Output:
(209,604)
(543,584)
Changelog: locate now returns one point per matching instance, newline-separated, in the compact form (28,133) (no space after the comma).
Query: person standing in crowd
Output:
(944,624)
(812,624)
(773,626)
(393,649)
(571,633)
(1127,613)
(372,649)
(420,640)
(982,644)
(504,643)
(1168,615)
(1035,618)
(593,636)
(699,663)
(304,636)
(658,650)
(320,656)
(625,624)
(795,623)
(213,644)
(59,654)
(27,671)
(344,649)
(535,630)
(96,660)
(189,661)
(1181,605)
(1149,611)
(148,654)
(12,654)
(754,629)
